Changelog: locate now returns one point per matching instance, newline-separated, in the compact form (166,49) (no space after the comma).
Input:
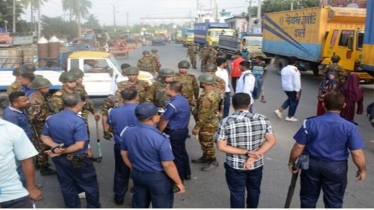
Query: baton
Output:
(98,159)
(291,188)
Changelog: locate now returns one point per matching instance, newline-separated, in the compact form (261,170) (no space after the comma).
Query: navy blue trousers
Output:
(75,180)
(155,187)
(121,175)
(291,102)
(238,181)
(329,176)
(178,145)
(226,104)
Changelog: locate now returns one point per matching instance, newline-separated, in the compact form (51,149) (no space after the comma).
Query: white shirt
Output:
(14,145)
(291,78)
(115,81)
(223,74)
(247,84)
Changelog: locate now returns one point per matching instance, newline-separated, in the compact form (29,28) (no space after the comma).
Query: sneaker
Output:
(278,113)
(82,195)
(290,119)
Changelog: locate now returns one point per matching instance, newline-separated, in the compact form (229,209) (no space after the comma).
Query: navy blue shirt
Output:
(18,118)
(177,112)
(67,127)
(147,147)
(27,90)
(328,137)
(121,117)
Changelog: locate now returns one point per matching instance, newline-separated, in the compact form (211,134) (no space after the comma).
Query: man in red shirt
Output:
(236,73)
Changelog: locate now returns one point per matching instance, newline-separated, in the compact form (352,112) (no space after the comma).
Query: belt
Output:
(149,172)
(175,129)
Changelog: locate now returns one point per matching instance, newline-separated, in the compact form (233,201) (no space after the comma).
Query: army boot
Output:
(202,159)
(45,171)
(212,164)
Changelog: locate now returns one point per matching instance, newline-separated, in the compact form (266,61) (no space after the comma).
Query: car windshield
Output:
(115,62)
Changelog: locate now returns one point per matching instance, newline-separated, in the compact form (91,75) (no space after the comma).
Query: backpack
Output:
(258,86)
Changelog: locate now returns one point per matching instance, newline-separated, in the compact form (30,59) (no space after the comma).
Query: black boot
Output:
(202,159)
(212,164)
(45,171)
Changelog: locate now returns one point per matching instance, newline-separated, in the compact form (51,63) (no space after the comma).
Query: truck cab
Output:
(213,34)
(253,45)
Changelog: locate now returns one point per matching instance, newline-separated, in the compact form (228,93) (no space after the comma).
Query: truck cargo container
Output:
(367,64)
(208,33)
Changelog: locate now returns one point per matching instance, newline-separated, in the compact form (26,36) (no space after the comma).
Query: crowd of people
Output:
(149,124)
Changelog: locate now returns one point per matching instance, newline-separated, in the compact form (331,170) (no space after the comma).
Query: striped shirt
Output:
(246,131)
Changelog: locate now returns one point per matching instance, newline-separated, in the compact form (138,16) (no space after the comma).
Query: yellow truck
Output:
(313,35)
(367,63)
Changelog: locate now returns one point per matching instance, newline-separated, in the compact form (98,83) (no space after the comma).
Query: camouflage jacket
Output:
(89,107)
(220,85)
(190,86)
(191,50)
(147,63)
(15,86)
(156,94)
(38,111)
(156,61)
(339,72)
(206,112)
(55,102)
(212,56)
(204,53)
(110,102)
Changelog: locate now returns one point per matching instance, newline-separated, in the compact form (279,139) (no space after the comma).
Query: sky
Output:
(103,9)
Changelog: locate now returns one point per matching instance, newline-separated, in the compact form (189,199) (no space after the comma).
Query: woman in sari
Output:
(353,94)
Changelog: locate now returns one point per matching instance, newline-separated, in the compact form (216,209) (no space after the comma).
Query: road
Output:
(209,189)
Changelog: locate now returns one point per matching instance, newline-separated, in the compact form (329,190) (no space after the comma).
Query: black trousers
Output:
(23,202)
(121,175)
(329,176)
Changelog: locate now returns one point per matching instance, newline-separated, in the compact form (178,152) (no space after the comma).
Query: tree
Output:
(92,22)
(79,8)
(58,27)
(276,6)
(33,4)
(6,13)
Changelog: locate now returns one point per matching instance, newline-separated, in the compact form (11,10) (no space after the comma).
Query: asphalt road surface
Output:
(209,189)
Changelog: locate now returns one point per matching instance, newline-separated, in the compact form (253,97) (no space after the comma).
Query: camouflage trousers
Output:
(204,61)
(193,60)
(207,142)
(42,157)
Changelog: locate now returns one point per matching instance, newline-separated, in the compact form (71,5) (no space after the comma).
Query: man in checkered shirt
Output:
(244,137)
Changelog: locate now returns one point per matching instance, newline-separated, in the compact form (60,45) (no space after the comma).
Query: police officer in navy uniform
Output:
(327,139)
(116,119)
(66,133)
(147,152)
(175,124)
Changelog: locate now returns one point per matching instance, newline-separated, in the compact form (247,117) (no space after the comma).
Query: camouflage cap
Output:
(207,79)
(40,83)
(146,52)
(29,68)
(166,72)
(210,67)
(184,64)
(132,70)
(335,58)
(67,77)
(77,72)
(154,50)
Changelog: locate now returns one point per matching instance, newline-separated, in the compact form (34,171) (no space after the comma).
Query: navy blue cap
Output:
(147,110)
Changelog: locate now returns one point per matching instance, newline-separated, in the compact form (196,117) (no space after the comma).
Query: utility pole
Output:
(291,4)
(249,16)
(127,19)
(14,16)
(39,25)
(216,10)
(79,18)
(31,18)
(114,15)
(259,10)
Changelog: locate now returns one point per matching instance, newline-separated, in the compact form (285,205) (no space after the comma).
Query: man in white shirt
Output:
(224,75)
(291,84)
(118,78)
(246,82)
(15,145)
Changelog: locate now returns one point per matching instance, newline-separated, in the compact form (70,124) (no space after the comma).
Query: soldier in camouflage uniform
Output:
(204,56)
(207,120)
(155,57)
(219,85)
(37,112)
(156,93)
(212,55)
(192,52)
(339,71)
(147,63)
(190,87)
(68,80)
(16,85)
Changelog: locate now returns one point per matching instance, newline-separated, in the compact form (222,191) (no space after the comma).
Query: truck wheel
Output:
(282,62)
(316,72)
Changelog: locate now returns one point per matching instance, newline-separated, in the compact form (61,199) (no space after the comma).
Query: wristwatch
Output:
(247,153)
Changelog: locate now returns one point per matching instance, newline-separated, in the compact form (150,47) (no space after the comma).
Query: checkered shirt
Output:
(246,131)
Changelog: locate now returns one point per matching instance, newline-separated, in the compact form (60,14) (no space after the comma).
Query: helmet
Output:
(154,50)
(40,82)
(184,64)
(165,73)
(18,71)
(67,77)
(29,68)
(132,70)
(146,52)
(210,67)
(77,72)
(335,58)
(207,79)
